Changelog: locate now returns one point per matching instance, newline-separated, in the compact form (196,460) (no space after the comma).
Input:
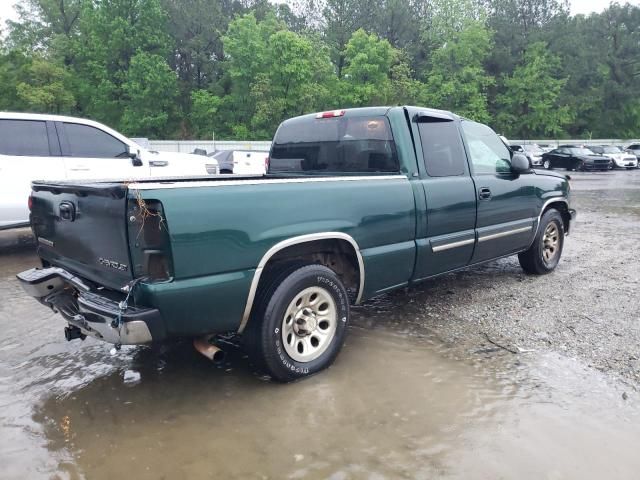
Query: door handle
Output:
(158,163)
(484,193)
(79,168)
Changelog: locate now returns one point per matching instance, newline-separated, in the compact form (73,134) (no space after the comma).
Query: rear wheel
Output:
(299,324)
(545,251)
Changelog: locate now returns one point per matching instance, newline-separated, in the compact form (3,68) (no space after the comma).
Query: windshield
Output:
(611,149)
(533,148)
(581,151)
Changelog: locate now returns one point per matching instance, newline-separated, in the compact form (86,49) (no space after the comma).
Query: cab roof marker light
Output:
(331,114)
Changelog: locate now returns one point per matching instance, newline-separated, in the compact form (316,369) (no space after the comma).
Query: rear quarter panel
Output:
(224,230)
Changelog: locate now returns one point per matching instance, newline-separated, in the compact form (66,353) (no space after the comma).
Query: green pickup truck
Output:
(355,203)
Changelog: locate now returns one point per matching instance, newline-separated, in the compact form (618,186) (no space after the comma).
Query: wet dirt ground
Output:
(427,385)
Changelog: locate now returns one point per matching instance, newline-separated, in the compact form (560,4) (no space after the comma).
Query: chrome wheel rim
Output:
(550,242)
(309,324)
(547,164)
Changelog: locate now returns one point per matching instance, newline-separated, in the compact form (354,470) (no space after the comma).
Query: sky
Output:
(577,6)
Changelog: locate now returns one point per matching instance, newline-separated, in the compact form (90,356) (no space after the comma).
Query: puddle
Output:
(398,403)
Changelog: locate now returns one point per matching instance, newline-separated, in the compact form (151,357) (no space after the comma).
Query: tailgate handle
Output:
(67,211)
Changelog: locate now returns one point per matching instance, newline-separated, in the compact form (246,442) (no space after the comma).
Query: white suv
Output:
(50,147)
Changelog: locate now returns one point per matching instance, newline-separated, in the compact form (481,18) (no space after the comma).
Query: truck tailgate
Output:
(83,229)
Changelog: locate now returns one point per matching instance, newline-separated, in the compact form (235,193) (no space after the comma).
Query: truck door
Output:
(92,154)
(449,235)
(506,200)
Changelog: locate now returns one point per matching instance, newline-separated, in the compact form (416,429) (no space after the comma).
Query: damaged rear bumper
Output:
(97,313)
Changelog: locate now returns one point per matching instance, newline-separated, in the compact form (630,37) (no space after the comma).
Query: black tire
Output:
(265,342)
(225,171)
(536,259)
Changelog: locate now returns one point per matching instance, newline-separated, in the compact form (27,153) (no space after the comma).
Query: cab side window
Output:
(441,148)
(89,142)
(488,154)
(24,138)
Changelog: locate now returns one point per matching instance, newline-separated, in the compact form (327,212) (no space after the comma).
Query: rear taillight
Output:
(30,203)
(149,236)
(330,114)
(266,164)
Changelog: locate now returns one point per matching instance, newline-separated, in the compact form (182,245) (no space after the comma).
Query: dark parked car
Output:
(575,158)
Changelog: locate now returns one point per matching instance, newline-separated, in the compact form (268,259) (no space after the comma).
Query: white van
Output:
(51,147)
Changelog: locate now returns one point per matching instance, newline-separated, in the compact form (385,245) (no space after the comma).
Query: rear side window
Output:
(442,148)
(24,138)
(86,141)
(487,152)
(334,145)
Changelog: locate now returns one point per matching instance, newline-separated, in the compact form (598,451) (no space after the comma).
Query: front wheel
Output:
(547,164)
(544,253)
(299,324)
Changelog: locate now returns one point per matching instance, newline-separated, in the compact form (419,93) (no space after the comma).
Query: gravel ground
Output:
(588,309)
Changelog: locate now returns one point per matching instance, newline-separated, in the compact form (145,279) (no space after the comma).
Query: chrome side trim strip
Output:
(172,183)
(45,241)
(448,246)
(493,236)
(294,241)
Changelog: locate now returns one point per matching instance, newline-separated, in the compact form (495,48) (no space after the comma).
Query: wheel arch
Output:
(336,250)
(562,205)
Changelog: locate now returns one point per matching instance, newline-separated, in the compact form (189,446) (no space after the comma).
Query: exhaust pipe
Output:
(71,333)
(206,348)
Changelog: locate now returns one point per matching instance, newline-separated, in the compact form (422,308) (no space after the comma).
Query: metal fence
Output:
(188,146)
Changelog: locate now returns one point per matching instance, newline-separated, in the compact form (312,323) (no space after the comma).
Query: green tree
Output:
(204,113)
(47,26)
(245,46)
(46,88)
(111,34)
(618,32)
(529,104)
(14,69)
(340,19)
(368,61)
(404,88)
(296,80)
(149,94)
(457,80)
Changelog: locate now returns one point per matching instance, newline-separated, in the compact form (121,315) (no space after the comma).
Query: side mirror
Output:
(134,156)
(520,163)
